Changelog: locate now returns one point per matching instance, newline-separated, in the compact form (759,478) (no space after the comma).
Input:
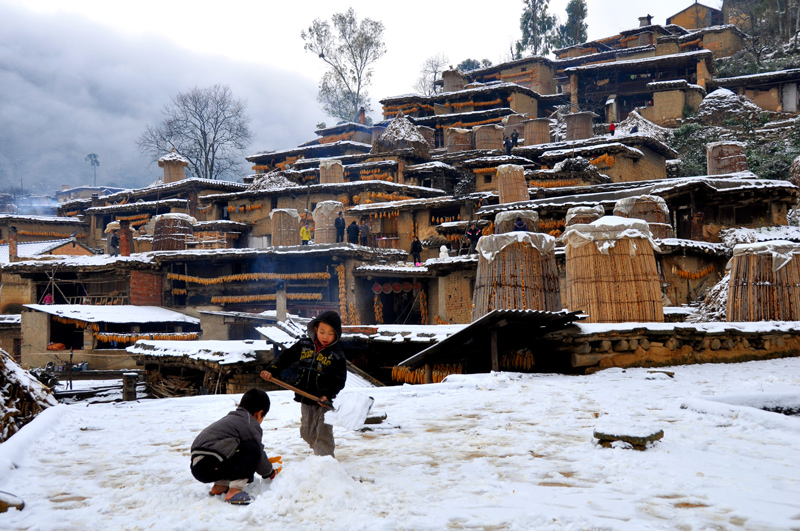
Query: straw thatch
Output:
(765,282)
(516,271)
(511,183)
(611,271)
(584,215)
(651,208)
(331,172)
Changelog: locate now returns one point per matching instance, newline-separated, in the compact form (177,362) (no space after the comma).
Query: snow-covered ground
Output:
(496,451)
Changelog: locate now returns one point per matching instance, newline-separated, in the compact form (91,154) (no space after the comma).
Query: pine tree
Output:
(539,32)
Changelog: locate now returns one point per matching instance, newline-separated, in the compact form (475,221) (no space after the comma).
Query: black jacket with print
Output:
(320,373)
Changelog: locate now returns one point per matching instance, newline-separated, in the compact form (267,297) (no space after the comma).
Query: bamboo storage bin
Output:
(324,215)
(171,232)
(611,271)
(285,227)
(516,271)
(504,221)
(765,282)
(651,208)
(488,136)
(331,172)
(511,183)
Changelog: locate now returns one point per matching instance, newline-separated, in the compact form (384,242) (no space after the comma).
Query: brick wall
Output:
(455,297)
(147,289)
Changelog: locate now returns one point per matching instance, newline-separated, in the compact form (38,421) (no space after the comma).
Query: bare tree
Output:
(205,125)
(431,68)
(350,49)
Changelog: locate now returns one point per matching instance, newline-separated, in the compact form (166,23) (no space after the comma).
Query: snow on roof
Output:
(98,260)
(614,147)
(173,156)
(645,62)
(396,268)
(221,352)
(766,327)
(402,333)
(733,237)
(40,219)
(467,92)
(429,166)
(11,319)
(719,249)
(31,249)
(114,313)
(763,77)
(319,188)
(138,205)
(424,202)
(310,149)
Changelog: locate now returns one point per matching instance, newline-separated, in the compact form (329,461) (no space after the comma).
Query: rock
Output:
(401,135)
(639,442)
(9,501)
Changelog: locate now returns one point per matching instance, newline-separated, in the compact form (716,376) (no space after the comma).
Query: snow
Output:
(114,313)
(725,102)
(221,352)
(489,451)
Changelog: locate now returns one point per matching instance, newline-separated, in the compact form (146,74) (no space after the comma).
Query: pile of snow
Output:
(724,104)
(488,451)
(22,397)
(734,237)
(646,127)
(558,123)
(270,181)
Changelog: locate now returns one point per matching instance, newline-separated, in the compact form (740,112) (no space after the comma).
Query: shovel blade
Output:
(351,410)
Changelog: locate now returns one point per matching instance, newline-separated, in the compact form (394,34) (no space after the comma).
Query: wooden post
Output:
(428,373)
(280,301)
(129,386)
(495,356)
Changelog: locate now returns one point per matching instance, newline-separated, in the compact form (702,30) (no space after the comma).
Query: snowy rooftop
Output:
(221,352)
(649,62)
(332,146)
(402,333)
(114,313)
(31,249)
(611,147)
(39,219)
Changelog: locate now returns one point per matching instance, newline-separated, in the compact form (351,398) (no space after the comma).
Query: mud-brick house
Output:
(267,161)
(24,228)
(140,206)
(84,192)
(399,221)
(697,16)
(772,91)
(623,158)
(614,89)
(535,73)
(97,335)
(721,40)
(671,100)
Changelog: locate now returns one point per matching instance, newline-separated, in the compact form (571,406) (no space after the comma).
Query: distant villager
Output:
(520,225)
(340,225)
(363,232)
(474,234)
(612,128)
(507,143)
(416,251)
(352,232)
(514,137)
(113,243)
(305,234)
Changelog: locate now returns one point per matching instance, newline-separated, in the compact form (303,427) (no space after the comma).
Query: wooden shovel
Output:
(328,404)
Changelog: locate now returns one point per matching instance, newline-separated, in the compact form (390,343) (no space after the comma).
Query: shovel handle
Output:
(285,385)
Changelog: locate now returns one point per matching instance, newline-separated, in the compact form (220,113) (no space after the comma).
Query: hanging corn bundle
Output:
(511,183)
(22,397)
(417,376)
(171,231)
(342,294)
(108,337)
(584,215)
(521,360)
(488,136)
(651,208)
(516,271)
(325,215)
(611,271)
(765,282)
(240,299)
(377,305)
(248,277)
(423,306)
(285,227)
(504,221)
(331,171)
(352,315)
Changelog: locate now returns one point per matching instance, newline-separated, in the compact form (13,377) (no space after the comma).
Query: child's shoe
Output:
(240,498)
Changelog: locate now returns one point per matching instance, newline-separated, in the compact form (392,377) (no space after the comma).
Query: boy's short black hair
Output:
(255,400)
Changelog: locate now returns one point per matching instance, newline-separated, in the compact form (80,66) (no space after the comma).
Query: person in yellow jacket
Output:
(305,234)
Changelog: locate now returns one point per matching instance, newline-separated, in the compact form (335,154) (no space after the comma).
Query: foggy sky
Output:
(69,87)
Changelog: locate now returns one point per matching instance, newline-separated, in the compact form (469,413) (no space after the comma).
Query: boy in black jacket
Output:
(322,369)
(229,451)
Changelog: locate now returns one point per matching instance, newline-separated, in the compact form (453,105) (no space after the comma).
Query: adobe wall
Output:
(16,292)
(625,169)
(769,100)
(537,76)
(688,277)
(7,337)
(722,44)
(453,296)
(667,48)
(524,104)
(667,107)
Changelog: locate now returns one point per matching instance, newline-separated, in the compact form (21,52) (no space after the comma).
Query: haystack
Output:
(22,397)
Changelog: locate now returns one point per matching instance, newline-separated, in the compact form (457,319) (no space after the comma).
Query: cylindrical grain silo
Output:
(579,125)
(765,282)
(537,131)
(516,271)
(725,157)
(171,231)
(504,221)
(488,136)
(331,171)
(458,139)
(324,216)
(611,271)
(285,227)
(511,183)
(584,215)
(650,208)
